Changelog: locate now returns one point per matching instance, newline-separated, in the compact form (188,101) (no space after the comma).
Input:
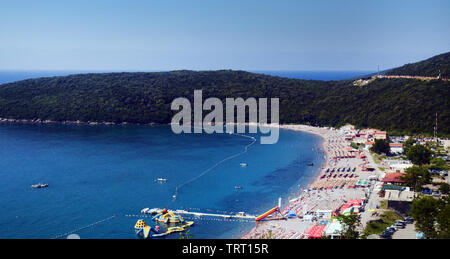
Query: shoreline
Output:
(329,191)
(322,132)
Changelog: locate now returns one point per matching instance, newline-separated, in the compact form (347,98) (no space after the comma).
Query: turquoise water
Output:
(95,172)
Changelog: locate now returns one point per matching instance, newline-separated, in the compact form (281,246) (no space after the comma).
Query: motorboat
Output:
(39,185)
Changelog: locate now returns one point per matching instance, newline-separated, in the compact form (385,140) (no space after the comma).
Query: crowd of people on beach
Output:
(329,192)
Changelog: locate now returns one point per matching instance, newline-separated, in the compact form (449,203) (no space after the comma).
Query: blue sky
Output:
(150,35)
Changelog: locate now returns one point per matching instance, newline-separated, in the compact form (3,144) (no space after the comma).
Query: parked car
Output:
(399,224)
(409,220)
(436,194)
(393,227)
(387,234)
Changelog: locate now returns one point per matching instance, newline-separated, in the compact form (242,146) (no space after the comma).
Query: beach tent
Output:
(362,182)
(316,231)
(334,229)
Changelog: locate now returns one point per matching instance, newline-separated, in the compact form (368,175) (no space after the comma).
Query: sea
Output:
(101,177)
(98,172)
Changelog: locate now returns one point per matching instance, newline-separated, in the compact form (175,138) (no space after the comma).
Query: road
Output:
(408,232)
(373,199)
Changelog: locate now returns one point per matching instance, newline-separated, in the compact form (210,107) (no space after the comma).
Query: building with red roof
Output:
(393,178)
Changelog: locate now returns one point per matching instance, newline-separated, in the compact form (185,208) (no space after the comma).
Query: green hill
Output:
(428,67)
(396,105)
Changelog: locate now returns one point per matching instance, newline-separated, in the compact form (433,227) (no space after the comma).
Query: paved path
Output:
(373,199)
(408,232)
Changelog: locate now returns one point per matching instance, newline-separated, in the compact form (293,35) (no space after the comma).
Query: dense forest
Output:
(396,105)
(400,105)
(428,67)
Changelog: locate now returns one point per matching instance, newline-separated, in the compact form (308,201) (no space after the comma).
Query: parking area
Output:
(405,233)
(402,229)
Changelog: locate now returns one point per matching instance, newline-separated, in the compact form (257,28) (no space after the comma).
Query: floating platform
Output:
(240,215)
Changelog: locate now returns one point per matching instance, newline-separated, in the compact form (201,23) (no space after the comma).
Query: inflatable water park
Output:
(166,216)
(145,231)
(174,217)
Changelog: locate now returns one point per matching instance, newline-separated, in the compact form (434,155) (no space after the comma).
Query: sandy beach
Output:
(335,185)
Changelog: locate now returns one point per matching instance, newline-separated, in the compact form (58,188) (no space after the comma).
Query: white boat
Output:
(39,185)
(161,180)
(151,211)
(243,164)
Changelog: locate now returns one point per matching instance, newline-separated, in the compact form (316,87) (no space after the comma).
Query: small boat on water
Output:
(161,180)
(310,164)
(237,187)
(243,164)
(153,211)
(39,185)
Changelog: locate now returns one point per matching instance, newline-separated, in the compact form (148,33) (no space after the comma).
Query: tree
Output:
(416,177)
(350,222)
(381,146)
(432,216)
(425,211)
(444,188)
(407,144)
(443,220)
(419,155)
(438,163)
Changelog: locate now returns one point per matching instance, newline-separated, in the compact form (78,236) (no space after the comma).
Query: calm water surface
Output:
(95,172)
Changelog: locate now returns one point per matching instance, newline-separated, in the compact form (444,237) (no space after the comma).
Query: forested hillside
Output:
(428,67)
(397,105)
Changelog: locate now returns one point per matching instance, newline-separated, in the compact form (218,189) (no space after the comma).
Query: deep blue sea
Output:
(95,172)
(318,75)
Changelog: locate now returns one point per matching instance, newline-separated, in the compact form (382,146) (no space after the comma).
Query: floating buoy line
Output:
(216,164)
(246,148)
(84,227)
(202,218)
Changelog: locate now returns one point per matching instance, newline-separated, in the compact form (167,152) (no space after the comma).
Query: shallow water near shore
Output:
(95,172)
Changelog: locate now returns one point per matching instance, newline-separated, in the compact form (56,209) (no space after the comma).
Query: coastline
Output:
(328,192)
(323,133)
